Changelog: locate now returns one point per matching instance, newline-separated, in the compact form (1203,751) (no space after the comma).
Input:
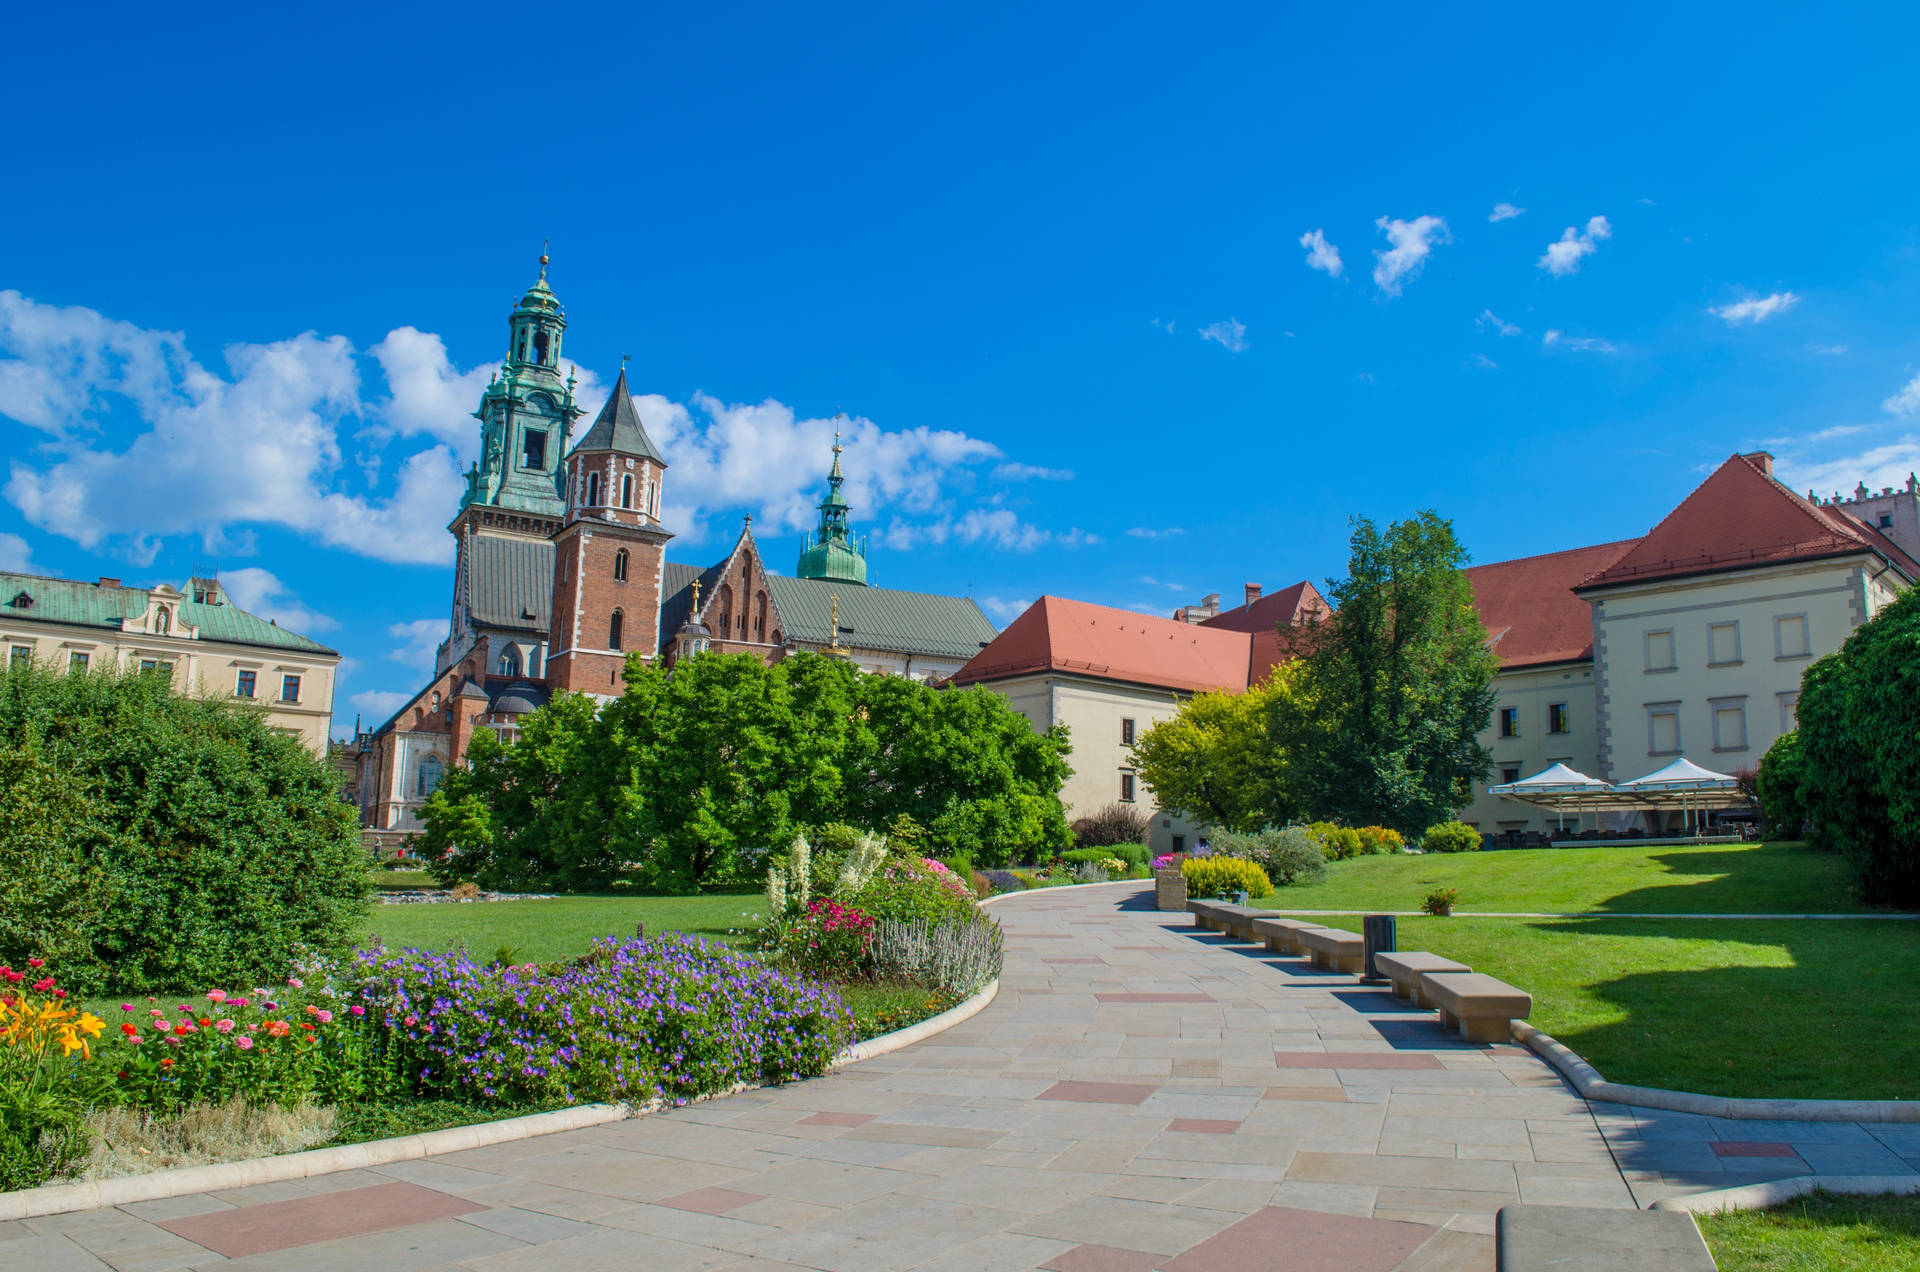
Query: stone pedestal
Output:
(1169,890)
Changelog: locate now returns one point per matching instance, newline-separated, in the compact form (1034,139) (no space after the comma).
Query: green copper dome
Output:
(831,551)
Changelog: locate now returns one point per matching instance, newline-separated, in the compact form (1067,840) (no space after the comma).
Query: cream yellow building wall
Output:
(202,668)
(1531,694)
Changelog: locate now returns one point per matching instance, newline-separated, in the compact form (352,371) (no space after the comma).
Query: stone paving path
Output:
(1141,1096)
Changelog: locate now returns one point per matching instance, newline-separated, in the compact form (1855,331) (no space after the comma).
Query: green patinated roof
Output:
(881,618)
(94,605)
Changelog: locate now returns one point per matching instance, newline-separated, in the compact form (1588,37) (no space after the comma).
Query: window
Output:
(162,621)
(626,491)
(1556,717)
(243,685)
(1790,636)
(427,779)
(510,661)
(613,631)
(1723,644)
(1660,650)
(533,452)
(289,688)
(1509,773)
(1663,728)
(1126,733)
(1509,722)
(1126,788)
(1789,711)
(620,565)
(153,664)
(1179,843)
(1729,724)
(77,661)
(20,656)
(1886,521)
(593,490)
(540,346)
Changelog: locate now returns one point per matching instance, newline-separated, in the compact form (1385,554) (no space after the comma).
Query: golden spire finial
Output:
(696,598)
(836,620)
(545,243)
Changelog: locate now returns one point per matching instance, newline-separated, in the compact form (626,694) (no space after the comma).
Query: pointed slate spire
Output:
(618,428)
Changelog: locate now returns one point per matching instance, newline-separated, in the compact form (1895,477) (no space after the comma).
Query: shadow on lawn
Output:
(1772,878)
(1834,1022)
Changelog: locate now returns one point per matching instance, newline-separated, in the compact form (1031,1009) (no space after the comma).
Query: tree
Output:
(1860,754)
(1389,695)
(1782,771)
(53,834)
(1217,762)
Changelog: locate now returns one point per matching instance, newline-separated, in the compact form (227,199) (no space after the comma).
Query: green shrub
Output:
(1338,842)
(1375,840)
(1783,810)
(911,889)
(53,833)
(1286,856)
(1218,875)
(1112,826)
(1451,836)
(224,851)
(1440,901)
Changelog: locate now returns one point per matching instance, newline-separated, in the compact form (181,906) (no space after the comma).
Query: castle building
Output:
(561,574)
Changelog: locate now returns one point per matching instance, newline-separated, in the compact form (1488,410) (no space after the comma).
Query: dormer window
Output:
(22,600)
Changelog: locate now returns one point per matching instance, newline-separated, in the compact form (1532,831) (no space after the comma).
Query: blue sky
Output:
(1055,264)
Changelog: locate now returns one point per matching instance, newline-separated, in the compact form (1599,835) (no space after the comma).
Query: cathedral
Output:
(561,573)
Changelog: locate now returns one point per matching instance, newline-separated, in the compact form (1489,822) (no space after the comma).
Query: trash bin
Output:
(1380,931)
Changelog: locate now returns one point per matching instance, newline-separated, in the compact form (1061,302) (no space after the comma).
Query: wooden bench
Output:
(1481,1008)
(1333,948)
(1405,968)
(1279,934)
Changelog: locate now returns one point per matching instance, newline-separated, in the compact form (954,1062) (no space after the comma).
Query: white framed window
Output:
(1729,723)
(1557,717)
(78,660)
(1790,637)
(1509,722)
(243,682)
(1723,644)
(1663,728)
(1789,710)
(1126,788)
(19,656)
(289,688)
(1126,732)
(1660,650)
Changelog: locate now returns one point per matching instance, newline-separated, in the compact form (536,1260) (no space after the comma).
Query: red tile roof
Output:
(1738,518)
(1529,606)
(1056,634)
(1290,605)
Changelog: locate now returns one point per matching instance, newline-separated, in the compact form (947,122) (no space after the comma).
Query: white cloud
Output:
(425,393)
(1002,610)
(1504,212)
(1321,255)
(1489,319)
(1154,532)
(259,591)
(15,556)
(1165,325)
(1230,334)
(419,641)
(1564,257)
(1827,350)
(1583,344)
(1150,581)
(1483,362)
(1907,400)
(376,705)
(1758,309)
(995,527)
(1013,471)
(1805,467)
(1412,241)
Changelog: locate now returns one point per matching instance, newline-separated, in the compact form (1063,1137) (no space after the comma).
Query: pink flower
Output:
(36,962)
(294,981)
(323,1016)
(411,1021)
(135,1039)
(224,1026)
(216,995)
(243,1042)
(126,1006)
(43,985)
(155,1011)
(357,1010)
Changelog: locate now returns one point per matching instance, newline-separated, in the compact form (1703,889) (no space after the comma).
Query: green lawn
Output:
(1821,1233)
(543,931)
(1785,878)
(1741,1007)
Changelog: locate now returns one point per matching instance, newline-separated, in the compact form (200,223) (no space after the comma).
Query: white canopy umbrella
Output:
(1683,785)
(1559,787)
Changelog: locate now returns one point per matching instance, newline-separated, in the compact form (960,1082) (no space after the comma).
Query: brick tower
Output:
(608,554)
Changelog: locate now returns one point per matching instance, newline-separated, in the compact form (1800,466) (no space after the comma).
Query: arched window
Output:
(510,661)
(540,346)
(613,631)
(427,779)
(626,491)
(620,565)
(162,620)
(760,617)
(593,490)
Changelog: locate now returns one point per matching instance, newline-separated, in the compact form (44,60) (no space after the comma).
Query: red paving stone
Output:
(1203,1125)
(710,1201)
(1098,1092)
(1753,1148)
(352,1212)
(1154,998)
(838,1119)
(1356,1060)
(1099,1258)
(1312,1242)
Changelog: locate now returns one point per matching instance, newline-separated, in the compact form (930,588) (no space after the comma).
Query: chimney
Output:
(1761,460)
(1253,593)
(108,582)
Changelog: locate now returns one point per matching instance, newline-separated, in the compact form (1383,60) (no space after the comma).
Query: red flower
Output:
(167,1063)
(128,1029)
(36,962)
(183,1028)
(42,986)
(204,1022)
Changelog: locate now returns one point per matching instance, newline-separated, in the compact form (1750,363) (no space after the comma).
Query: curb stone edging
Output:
(1587,1081)
(1774,1192)
(99,1194)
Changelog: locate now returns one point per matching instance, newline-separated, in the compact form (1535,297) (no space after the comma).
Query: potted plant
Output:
(1169,884)
(1440,901)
